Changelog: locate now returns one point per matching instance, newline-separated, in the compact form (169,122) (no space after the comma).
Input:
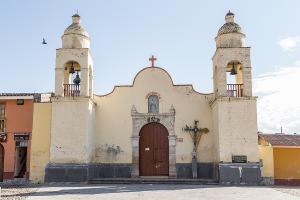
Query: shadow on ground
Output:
(76,189)
(58,189)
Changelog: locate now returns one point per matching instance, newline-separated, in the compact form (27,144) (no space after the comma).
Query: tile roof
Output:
(37,97)
(17,94)
(281,139)
(230,27)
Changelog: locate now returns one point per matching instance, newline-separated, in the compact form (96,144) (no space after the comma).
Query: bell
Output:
(72,70)
(233,70)
(76,79)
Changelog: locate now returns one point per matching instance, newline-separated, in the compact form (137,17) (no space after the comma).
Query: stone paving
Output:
(148,191)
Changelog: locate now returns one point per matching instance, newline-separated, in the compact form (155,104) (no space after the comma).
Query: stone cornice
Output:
(72,99)
(229,99)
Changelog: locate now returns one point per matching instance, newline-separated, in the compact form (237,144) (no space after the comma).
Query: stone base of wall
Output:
(226,173)
(68,172)
(267,181)
(239,173)
(204,170)
(110,171)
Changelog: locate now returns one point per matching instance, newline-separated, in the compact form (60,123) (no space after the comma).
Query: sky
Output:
(124,34)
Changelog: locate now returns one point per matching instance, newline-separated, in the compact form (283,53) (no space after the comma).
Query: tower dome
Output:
(230,34)
(75,36)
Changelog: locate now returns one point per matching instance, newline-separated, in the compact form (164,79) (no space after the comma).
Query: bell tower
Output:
(72,124)
(234,107)
(231,61)
(74,63)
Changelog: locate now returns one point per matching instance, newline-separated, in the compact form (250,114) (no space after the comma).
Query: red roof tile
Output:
(281,139)
(17,94)
(37,97)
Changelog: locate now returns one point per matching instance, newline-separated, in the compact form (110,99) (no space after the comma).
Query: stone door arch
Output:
(1,162)
(141,119)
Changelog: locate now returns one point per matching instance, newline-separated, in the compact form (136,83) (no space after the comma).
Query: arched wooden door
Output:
(1,162)
(154,150)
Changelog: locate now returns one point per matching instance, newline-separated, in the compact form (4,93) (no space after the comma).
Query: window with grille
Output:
(2,118)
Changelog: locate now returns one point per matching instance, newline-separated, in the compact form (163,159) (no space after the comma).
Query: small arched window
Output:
(153,104)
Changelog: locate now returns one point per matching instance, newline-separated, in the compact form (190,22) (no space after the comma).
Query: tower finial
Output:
(76,18)
(229,17)
(229,13)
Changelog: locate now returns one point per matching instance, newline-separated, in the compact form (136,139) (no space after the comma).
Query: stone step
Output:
(153,181)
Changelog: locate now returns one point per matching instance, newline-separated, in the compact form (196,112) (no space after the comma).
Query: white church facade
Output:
(154,127)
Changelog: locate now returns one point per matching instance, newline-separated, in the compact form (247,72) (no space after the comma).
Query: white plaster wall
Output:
(72,130)
(70,41)
(114,122)
(101,131)
(236,128)
(215,129)
(231,40)
(90,77)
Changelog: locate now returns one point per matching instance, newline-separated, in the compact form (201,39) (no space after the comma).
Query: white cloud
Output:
(279,100)
(290,43)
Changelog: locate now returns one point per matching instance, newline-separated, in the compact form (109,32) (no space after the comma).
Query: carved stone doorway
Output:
(139,120)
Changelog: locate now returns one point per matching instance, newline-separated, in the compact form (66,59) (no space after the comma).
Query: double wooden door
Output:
(154,150)
(1,162)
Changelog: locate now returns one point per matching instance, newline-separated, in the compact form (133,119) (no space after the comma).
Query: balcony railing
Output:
(235,90)
(72,90)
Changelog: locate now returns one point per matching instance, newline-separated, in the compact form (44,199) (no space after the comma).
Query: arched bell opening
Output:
(234,79)
(72,79)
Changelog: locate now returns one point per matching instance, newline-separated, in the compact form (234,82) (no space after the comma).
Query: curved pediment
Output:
(152,75)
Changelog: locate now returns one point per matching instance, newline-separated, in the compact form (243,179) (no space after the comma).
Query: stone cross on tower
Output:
(152,60)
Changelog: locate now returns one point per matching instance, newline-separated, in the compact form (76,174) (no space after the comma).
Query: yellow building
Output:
(40,141)
(280,156)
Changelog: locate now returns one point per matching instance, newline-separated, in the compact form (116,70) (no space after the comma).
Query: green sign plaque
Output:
(239,159)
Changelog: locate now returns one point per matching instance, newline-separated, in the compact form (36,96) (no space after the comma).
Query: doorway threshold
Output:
(154,177)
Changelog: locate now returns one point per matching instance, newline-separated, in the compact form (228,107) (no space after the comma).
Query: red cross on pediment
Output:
(152,59)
